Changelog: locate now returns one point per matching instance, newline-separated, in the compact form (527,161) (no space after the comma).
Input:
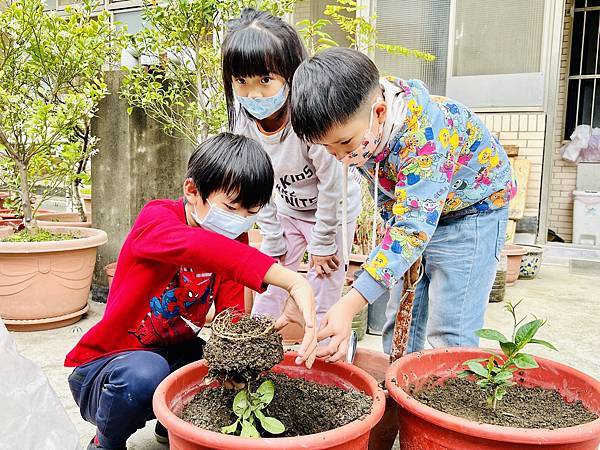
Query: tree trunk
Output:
(77,203)
(28,218)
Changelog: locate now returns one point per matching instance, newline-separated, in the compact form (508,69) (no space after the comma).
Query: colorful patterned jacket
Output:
(442,161)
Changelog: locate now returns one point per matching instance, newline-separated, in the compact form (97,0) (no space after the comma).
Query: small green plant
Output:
(248,407)
(495,373)
(39,236)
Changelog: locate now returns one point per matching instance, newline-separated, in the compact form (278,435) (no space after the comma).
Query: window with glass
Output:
(583,91)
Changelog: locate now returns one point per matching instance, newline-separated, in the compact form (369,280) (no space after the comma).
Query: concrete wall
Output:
(564,174)
(525,129)
(136,163)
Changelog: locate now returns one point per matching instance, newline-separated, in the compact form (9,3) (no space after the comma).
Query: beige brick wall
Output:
(527,131)
(560,214)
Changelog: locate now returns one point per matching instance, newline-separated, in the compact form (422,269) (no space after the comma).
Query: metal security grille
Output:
(417,24)
(583,99)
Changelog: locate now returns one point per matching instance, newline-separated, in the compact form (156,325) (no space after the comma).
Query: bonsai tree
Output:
(50,83)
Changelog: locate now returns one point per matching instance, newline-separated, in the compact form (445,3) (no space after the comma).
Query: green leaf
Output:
(503,376)
(240,403)
(230,429)
(271,424)
(524,361)
(249,430)
(266,391)
(527,331)
(464,373)
(477,368)
(491,335)
(508,348)
(544,343)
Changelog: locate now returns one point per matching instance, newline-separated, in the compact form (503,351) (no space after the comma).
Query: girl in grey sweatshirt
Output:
(260,55)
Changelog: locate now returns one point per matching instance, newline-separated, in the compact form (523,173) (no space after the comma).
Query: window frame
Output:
(501,92)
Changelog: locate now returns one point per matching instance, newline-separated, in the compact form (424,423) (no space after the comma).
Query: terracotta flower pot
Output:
(46,285)
(63,219)
(531,262)
(255,238)
(385,432)
(423,427)
(110,270)
(354,263)
(179,387)
(514,253)
(87,203)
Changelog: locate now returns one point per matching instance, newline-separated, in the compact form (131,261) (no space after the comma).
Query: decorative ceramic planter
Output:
(46,285)
(514,253)
(63,219)
(531,262)
(423,427)
(179,388)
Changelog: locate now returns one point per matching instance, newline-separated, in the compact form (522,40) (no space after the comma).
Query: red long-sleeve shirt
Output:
(167,269)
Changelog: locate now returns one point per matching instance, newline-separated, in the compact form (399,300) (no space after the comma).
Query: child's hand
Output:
(324,265)
(337,325)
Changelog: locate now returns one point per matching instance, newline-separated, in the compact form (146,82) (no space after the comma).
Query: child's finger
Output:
(341,353)
(333,264)
(331,349)
(307,348)
(281,322)
(325,330)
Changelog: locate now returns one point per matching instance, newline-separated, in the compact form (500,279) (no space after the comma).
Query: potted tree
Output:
(50,82)
(467,398)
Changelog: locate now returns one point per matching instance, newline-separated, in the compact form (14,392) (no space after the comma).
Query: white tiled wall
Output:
(527,131)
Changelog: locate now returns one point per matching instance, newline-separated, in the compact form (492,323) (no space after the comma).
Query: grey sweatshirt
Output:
(308,186)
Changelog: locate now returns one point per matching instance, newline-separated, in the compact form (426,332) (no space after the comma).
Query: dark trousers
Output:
(115,393)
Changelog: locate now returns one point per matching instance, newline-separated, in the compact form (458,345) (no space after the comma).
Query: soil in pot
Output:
(242,346)
(304,407)
(521,407)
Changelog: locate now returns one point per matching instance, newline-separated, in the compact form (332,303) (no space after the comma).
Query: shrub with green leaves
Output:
(495,373)
(248,407)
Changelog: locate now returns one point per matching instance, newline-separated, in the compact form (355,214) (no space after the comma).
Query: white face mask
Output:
(224,222)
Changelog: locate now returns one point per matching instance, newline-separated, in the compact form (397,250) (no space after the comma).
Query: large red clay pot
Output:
(179,387)
(423,427)
(376,364)
(46,285)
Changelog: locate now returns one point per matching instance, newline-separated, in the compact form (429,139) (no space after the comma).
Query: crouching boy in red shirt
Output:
(179,258)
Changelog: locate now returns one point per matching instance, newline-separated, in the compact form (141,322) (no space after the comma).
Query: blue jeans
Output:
(115,393)
(460,264)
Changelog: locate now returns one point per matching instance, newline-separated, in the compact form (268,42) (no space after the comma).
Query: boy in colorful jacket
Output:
(179,258)
(442,185)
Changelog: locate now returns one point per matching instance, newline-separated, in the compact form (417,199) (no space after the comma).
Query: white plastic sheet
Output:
(31,415)
(584,145)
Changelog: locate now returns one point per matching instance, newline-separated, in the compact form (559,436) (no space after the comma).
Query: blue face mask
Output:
(224,222)
(263,107)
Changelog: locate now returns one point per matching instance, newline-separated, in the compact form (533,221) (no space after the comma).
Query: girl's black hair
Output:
(257,44)
(235,165)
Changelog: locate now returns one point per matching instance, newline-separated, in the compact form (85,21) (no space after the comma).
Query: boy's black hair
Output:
(233,164)
(328,89)
(257,44)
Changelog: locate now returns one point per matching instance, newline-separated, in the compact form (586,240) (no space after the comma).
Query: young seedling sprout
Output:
(248,407)
(495,373)
(241,348)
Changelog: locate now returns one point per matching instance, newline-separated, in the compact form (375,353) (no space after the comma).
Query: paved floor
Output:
(571,303)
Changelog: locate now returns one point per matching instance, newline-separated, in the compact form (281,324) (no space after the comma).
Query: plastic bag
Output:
(584,145)
(31,415)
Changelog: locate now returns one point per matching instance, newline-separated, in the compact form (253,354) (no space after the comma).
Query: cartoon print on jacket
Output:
(441,161)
